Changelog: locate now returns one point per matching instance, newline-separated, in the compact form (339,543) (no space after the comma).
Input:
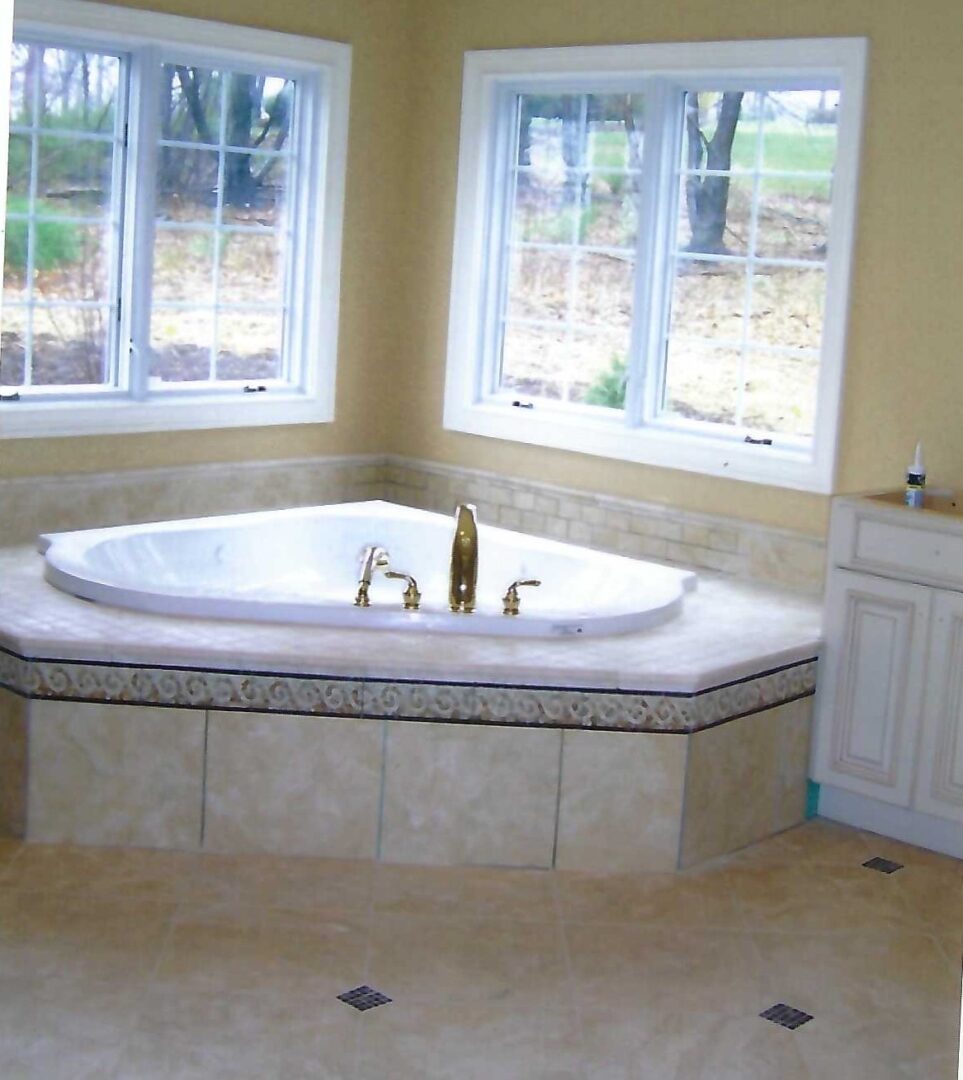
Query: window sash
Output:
(655,256)
(131,220)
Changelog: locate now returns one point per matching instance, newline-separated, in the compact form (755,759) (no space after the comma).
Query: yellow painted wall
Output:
(905,356)
(905,367)
(371,306)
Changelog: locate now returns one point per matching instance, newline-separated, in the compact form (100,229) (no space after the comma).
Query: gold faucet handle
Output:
(411,595)
(511,600)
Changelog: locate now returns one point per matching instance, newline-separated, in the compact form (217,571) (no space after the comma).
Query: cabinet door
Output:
(871,685)
(940,776)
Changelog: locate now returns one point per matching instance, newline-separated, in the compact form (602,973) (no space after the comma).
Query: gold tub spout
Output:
(373,558)
(463,571)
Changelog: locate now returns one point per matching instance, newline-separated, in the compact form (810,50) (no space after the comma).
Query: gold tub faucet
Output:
(374,557)
(463,570)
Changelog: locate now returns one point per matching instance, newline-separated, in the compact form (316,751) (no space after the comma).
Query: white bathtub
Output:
(301,566)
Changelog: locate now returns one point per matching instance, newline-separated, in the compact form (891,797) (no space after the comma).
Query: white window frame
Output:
(324,67)
(492,77)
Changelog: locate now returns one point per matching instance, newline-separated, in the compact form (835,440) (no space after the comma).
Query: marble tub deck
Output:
(728,630)
(639,752)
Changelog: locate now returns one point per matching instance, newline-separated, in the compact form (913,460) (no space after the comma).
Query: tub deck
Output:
(646,751)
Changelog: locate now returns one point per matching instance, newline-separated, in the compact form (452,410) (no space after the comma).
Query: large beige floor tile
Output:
(48,936)
(825,898)
(125,873)
(477,1040)
(884,1047)
(817,842)
(292,785)
(464,892)
(460,794)
(324,888)
(668,1044)
(654,968)
(857,974)
(678,900)
(267,1035)
(417,961)
(64,1026)
(224,948)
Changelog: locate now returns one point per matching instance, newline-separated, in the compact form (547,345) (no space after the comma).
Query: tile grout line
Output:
(381,790)
(558,799)
(207,724)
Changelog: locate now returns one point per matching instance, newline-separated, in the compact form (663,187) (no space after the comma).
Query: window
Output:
(652,253)
(173,222)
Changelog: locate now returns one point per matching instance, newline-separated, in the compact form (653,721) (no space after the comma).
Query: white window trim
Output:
(317,325)
(597,432)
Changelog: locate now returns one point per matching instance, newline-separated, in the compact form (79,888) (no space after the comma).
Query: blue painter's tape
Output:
(812,799)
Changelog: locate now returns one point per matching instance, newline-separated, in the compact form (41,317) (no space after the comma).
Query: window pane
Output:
(787,307)
(702,382)
(18,168)
(181,342)
(533,360)
(190,103)
(255,189)
(63,217)
(252,269)
(187,184)
(183,266)
(258,110)
(539,285)
(798,130)
(574,188)
(249,345)
(74,176)
(598,368)
(708,300)
(604,290)
(13,339)
(69,346)
(780,392)
(235,192)
(755,186)
(792,223)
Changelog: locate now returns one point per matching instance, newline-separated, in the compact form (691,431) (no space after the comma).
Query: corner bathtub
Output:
(301,566)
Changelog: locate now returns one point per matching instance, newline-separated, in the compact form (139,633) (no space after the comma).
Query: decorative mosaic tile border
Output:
(473,703)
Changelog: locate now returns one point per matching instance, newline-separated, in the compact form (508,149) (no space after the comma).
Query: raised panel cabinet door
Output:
(939,788)
(871,685)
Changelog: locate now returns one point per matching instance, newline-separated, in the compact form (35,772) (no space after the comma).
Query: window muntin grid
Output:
(727,359)
(64,220)
(237,333)
(569,246)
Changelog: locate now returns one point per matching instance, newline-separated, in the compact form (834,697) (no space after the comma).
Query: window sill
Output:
(27,418)
(609,437)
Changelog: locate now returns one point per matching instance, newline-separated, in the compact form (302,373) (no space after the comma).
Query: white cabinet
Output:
(940,785)
(871,685)
(889,710)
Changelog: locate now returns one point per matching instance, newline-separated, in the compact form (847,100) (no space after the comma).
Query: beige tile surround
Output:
(635,528)
(411,792)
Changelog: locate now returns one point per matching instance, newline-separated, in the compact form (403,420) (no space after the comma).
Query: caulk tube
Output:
(916,479)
